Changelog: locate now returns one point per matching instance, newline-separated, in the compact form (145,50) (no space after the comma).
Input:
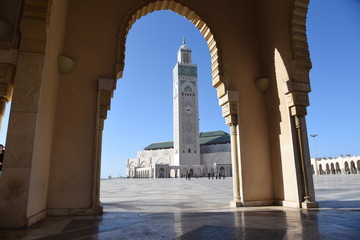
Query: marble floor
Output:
(198,209)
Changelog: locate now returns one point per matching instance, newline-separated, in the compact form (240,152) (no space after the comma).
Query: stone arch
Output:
(144,164)
(337,167)
(327,169)
(298,40)
(219,158)
(332,168)
(162,161)
(353,167)
(149,6)
(173,173)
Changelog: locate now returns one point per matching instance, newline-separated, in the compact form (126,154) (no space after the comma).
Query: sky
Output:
(141,109)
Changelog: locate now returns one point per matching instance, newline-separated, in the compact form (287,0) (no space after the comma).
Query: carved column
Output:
(229,112)
(106,88)
(298,100)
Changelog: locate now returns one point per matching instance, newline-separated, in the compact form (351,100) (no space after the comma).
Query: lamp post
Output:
(314,136)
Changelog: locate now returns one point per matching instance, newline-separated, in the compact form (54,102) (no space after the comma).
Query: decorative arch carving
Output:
(149,6)
(298,41)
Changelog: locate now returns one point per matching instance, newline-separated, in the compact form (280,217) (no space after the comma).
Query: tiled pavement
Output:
(198,209)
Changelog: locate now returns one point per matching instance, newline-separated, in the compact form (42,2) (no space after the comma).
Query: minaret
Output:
(186,111)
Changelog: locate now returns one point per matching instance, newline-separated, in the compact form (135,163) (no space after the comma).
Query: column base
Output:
(308,204)
(236,204)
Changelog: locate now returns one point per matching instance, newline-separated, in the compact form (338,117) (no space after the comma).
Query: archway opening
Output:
(150,110)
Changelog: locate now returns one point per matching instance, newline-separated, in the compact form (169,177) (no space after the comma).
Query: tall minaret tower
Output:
(186,111)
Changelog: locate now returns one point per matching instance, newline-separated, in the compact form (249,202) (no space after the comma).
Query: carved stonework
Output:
(149,6)
(33,25)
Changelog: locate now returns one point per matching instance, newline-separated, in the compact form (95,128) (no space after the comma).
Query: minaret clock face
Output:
(188,109)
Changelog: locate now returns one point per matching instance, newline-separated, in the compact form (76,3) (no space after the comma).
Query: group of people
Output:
(210,176)
(217,175)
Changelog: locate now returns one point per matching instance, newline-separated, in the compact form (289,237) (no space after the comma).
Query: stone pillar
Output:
(229,112)
(298,100)
(105,92)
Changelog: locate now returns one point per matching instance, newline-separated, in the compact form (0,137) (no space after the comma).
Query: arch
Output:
(222,171)
(191,172)
(353,167)
(327,169)
(337,168)
(321,169)
(220,158)
(332,168)
(198,172)
(161,173)
(346,167)
(162,161)
(184,171)
(298,41)
(144,164)
(149,6)
(172,173)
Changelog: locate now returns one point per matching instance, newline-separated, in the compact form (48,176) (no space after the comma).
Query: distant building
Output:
(190,152)
(340,165)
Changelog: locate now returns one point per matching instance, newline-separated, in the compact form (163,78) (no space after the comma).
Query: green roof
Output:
(160,145)
(206,138)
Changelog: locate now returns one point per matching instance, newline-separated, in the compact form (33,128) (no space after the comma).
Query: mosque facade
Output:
(191,153)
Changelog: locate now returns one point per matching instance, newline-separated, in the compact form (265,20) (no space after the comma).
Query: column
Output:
(298,101)
(229,112)
(105,92)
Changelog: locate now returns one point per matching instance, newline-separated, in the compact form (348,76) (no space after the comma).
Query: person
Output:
(209,175)
(2,151)
(189,176)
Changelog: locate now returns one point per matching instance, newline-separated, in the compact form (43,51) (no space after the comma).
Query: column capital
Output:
(229,104)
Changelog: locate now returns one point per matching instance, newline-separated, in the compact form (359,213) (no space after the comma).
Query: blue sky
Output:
(141,110)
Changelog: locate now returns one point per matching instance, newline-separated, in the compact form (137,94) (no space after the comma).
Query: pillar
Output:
(229,111)
(106,88)
(298,100)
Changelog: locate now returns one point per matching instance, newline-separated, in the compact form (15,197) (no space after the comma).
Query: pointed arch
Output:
(149,6)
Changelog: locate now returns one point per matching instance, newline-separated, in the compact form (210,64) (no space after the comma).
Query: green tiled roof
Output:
(160,145)
(206,138)
(213,134)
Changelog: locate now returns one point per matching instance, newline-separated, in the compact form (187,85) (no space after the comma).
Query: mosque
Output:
(190,153)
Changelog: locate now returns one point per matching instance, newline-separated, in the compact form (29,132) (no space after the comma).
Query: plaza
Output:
(199,209)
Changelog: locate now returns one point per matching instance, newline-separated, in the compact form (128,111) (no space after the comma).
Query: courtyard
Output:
(198,209)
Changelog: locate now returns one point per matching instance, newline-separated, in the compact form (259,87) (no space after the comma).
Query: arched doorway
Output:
(332,168)
(191,172)
(327,169)
(338,170)
(222,171)
(353,167)
(347,168)
(161,173)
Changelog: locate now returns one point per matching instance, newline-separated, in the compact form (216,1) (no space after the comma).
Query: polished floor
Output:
(198,209)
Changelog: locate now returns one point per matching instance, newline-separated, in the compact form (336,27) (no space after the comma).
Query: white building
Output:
(340,165)
(190,153)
